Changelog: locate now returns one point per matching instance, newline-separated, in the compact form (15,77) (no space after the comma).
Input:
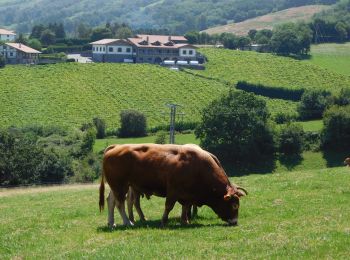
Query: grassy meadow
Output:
(297,215)
(295,14)
(332,56)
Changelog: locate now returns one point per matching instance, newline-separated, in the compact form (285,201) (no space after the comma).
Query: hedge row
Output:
(271,92)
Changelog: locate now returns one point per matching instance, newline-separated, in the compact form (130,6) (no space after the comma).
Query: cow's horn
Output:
(244,190)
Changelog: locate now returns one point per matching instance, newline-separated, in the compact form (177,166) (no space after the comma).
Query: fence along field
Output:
(72,94)
(301,214)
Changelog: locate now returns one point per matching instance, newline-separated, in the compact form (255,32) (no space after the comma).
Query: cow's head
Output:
(227,207)
(347,161)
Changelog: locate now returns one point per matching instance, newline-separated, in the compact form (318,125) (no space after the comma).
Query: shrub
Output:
(343,98)
(336,131)
(88,141)
(291,139)
(313,104)
(161,137)
(282,118)
(133,124)
(100,125)
(236,127)
(2,62)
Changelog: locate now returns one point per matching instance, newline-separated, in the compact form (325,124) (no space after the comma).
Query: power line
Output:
(173,108)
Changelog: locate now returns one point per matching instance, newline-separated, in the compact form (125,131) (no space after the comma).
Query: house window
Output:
(190,52)
(184,52)
(100,48)
(104,48)
(128,49)
(11,54)
(110,49)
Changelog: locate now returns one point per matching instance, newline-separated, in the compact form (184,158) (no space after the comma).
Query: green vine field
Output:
(270,70)
(71,94)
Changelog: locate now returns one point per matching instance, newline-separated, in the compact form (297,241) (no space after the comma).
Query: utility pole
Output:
(172,121)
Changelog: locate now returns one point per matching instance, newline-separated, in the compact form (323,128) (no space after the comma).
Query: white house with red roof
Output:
(18,53)
(7,36)
(144,49)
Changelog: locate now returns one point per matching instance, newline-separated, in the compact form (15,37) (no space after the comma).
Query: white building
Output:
(7,36)
(17,53)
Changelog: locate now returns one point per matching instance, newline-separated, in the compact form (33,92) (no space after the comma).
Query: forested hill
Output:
(178,16)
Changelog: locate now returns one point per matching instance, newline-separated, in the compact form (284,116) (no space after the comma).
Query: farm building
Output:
(17,53)
(7,36)
(144,49)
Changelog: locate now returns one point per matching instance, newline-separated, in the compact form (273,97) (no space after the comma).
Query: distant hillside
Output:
(178,16)
(302,13)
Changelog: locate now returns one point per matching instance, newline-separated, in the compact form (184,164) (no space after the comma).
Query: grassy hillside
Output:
(270,70)
(177,16)
(300,215)
(302,13)
(72,94)
(332,56)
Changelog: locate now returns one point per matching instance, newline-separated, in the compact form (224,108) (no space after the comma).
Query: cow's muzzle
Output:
(232,222)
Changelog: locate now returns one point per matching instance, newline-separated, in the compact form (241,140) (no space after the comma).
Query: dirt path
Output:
(6,192)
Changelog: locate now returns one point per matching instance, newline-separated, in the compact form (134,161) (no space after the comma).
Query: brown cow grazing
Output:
(180,173)
(347,161)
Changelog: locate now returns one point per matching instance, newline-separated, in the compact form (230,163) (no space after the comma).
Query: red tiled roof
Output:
(109,41)
(161,38)
(3,31)
(23,48)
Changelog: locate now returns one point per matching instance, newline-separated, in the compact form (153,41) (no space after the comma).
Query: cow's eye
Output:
(235,206)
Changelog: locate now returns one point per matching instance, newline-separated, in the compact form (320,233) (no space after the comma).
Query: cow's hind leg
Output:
(169,205)
(120,196)
(111,205)
(138,206)
(130,202)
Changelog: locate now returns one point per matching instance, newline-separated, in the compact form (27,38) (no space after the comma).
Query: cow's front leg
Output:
(169,205)
(111,205)
(186,211)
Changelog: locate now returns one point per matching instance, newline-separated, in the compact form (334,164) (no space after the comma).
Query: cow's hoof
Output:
(112,226)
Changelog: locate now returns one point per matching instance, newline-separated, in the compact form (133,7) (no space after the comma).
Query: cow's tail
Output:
(102,192)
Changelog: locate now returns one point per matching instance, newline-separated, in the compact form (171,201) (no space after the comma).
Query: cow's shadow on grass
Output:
(174,224)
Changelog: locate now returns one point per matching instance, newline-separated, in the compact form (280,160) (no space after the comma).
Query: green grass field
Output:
(297,215)
(332,56)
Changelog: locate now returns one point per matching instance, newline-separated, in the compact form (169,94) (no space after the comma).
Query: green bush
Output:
(282,118)
(161,137)
(271,92)
(291,139)
(133,124)
(2,62)
(313,103)
(100,125)
(336,131)
(236,127)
